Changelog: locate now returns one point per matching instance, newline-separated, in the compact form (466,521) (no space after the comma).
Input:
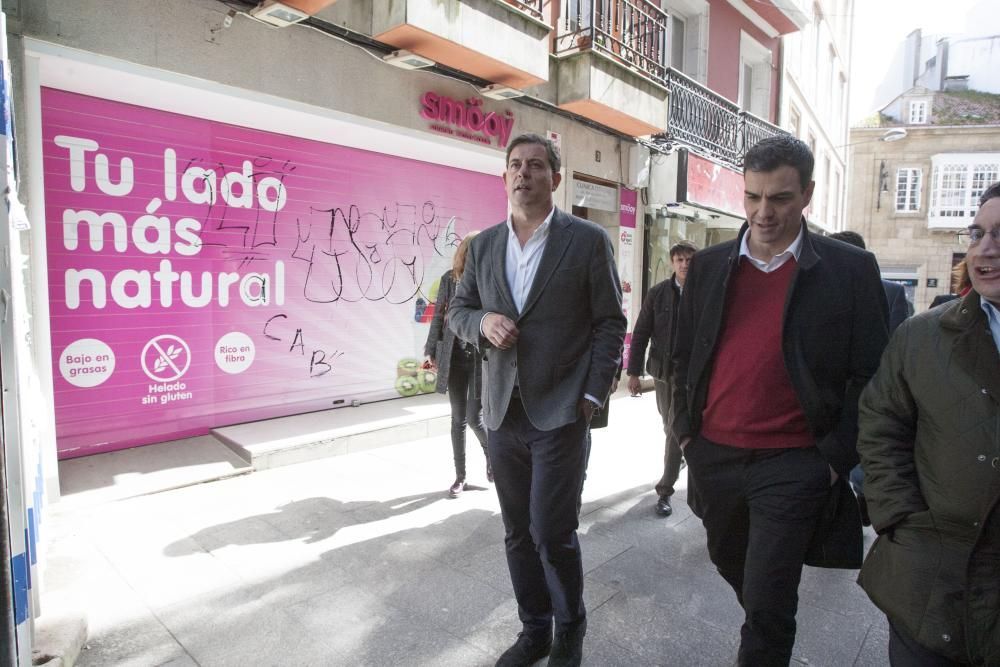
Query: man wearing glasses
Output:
(930,448)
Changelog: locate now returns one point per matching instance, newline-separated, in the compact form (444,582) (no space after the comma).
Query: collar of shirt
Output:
(993,317)
(680,288)
(778,260)
(522,263)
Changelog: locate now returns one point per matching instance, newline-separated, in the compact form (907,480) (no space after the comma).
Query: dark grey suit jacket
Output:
(571,327)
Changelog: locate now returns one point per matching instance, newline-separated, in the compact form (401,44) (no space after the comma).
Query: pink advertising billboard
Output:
(203,274)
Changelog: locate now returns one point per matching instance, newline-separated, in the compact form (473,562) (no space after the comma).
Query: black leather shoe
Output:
(525,652)
(567,648)
(663,507)
(455,490)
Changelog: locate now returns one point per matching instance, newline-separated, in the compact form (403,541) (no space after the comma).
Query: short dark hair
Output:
(779,151)
(555,161)
(853,238)
(990,193)
(683,247)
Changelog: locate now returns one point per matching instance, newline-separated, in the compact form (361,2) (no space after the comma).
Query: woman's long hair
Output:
(458,265)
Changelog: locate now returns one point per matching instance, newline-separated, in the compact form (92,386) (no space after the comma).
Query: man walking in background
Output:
(899,306)
(899,310)
(656,326)
(541,295)
(779,331)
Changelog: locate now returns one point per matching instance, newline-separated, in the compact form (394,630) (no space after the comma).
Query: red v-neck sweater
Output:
(751,402)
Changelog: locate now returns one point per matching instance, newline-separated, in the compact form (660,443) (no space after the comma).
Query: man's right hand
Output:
(500,330)
(634,386)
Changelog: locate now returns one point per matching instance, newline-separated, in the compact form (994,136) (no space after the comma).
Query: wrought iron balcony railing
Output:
(709,123)
(633,32)
(531,7)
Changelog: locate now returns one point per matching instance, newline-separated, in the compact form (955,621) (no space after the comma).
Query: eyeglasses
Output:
(974,235)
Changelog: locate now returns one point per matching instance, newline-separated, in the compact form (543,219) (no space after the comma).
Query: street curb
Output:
(59,639)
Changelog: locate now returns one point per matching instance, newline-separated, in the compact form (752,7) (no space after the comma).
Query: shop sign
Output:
(594,195)
(467,119)
(626,256)
(203,274)
(713,186)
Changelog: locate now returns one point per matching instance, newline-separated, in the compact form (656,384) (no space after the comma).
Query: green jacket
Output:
(930,447)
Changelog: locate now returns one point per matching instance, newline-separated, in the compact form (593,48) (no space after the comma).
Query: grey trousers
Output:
(671,448)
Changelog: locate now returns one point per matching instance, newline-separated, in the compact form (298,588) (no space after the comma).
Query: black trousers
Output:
(466,407)
(904,651)
(539,477)
(760,509)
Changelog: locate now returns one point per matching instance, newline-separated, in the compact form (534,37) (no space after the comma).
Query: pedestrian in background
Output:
(899,306)
(930,447)
(656,327)
(899,310)
(459,373)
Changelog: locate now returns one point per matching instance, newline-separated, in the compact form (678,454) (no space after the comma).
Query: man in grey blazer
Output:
(541,297)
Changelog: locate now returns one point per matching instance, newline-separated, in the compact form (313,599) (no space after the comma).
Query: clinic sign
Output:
(203,274)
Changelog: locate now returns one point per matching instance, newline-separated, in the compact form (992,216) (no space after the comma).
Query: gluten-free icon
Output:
(165,358)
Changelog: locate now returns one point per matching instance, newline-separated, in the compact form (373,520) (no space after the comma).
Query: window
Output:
(820,192)
(830,86)
(827,193)
(957,182)
(918,112)
(794,121)
(835,202)
(746,93)
(677,42)
(755,77)
(688,33)
(908,189)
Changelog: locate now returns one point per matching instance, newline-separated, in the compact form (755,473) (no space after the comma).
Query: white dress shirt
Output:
(522,263)
(778,260)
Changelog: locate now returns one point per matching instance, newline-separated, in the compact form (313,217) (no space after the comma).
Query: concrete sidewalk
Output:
(360,559)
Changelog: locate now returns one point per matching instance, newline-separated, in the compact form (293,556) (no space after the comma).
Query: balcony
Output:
(504,41)
(611,63)
(710,124)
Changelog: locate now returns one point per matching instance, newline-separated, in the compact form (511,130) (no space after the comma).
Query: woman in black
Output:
(459,373)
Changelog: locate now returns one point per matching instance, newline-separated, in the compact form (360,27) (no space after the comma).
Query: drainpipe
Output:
(8,638)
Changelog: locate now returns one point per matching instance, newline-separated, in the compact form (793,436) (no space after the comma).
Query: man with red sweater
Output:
(778,333)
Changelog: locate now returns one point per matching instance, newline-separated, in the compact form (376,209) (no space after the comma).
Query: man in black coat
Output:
(899,310)
(655,327)
(779,331)
(895,294)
